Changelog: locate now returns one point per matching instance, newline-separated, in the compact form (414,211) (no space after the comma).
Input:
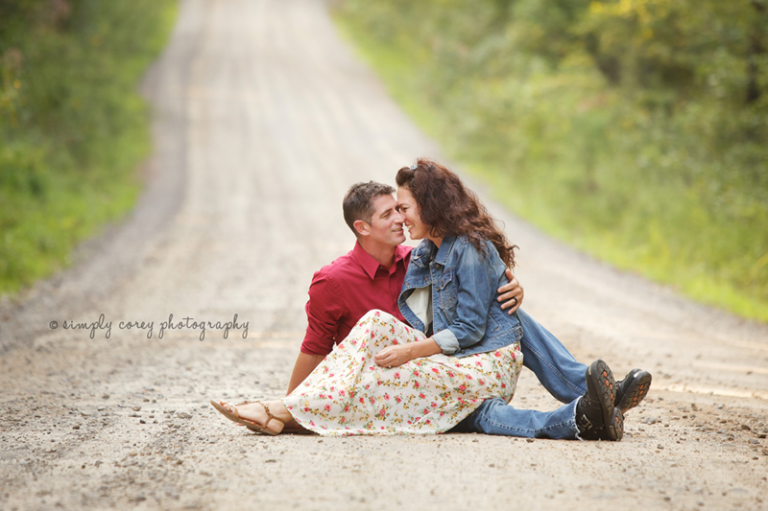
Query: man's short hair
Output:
(358,202)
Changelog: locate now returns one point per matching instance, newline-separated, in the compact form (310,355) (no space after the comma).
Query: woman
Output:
(389,378)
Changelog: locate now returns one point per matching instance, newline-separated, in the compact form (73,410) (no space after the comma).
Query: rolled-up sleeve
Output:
(325,311)
(447,341)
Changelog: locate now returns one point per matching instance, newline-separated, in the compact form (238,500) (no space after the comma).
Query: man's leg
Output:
(557,370)
(563,376)
(496,417)
(592,416)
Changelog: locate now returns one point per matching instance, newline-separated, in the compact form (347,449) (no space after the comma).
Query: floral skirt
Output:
(349,394)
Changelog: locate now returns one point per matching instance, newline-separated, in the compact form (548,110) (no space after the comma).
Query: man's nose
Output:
(398,217)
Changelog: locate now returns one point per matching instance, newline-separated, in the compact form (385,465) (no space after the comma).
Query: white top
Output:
(420,303)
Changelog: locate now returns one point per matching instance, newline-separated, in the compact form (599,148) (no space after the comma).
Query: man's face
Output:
(386,226)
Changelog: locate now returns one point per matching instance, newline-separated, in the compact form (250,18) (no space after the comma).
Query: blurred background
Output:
(636,130)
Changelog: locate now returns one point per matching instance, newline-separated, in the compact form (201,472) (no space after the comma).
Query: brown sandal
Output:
(235,417)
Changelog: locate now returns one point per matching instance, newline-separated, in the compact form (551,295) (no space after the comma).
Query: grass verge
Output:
(74,129)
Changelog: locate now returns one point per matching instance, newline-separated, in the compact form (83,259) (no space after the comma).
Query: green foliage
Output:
(635,129)
(72,126)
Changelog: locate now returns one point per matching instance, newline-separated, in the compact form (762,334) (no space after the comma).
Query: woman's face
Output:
(407,206)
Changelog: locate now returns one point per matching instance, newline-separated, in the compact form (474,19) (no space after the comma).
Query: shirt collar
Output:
(371,265)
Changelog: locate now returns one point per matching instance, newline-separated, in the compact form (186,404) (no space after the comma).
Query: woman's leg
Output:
(259,413)
(337,374)
(348,390)
(350,394)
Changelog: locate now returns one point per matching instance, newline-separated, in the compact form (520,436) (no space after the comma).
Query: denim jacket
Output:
(466,319)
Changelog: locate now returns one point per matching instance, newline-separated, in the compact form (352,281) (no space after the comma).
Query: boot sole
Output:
(638,389)
(600,379)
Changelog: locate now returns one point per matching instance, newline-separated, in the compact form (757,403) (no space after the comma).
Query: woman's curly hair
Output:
(451,209)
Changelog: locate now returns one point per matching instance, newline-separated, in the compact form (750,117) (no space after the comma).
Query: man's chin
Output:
(399,239)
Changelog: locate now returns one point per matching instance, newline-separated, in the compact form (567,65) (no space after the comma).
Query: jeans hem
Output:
(573,421)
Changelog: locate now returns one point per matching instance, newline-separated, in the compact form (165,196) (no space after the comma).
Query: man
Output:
(371,276)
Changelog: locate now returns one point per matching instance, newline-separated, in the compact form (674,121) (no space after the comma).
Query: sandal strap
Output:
(233,410)
(266,409)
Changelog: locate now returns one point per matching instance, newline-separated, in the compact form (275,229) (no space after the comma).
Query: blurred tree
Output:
(72,126)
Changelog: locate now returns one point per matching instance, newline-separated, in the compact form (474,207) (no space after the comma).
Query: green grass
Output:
(74,129)
(643,192)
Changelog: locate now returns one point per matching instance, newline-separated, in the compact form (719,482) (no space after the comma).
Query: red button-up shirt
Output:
(342,292)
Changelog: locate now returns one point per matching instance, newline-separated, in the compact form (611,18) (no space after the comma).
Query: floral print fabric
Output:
(349,394)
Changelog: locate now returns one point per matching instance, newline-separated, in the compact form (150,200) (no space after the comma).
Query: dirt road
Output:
(263,118)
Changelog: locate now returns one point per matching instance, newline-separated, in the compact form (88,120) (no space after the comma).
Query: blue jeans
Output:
(557,371)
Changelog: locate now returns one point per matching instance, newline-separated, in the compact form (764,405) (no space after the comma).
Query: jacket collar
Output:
(427,249)
(445,248)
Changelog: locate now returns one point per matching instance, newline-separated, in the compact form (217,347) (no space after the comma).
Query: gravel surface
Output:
(262,119)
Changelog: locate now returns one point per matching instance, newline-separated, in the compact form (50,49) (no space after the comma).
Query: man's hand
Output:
(394,356)
(511,294)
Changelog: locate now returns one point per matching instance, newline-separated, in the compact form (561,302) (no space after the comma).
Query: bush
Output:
(72,125)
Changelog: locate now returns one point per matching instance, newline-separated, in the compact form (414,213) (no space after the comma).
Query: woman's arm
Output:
(393,356)
(476,279)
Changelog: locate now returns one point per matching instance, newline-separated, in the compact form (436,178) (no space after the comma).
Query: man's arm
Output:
(511,294)
(324,312)
(305,364)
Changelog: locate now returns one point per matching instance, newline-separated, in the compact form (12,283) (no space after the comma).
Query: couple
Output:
(421,345)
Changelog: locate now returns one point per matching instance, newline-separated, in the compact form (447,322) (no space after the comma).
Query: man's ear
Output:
(362,228)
